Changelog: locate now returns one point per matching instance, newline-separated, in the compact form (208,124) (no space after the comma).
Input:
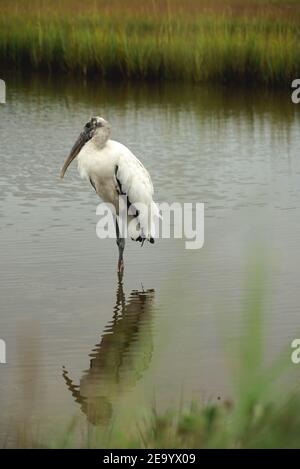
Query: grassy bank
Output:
(198,41)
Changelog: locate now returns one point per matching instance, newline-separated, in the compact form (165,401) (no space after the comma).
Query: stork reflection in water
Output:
(119,360)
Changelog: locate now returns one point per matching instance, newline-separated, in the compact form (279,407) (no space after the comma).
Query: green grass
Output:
(199,44)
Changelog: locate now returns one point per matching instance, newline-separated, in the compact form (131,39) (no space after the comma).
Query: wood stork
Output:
(114,171)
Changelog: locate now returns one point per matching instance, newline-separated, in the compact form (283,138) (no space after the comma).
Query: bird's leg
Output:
(121,246)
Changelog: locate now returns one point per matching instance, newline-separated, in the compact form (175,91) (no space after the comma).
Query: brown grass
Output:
(253,8)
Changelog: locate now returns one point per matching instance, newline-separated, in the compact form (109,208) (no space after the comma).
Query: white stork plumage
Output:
(113,170)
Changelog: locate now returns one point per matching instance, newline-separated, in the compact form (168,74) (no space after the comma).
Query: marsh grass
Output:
(158,40)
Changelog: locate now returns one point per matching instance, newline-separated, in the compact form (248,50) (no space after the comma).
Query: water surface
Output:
(79,340)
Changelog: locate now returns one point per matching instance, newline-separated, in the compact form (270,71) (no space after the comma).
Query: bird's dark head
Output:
(96,124)
(97,129)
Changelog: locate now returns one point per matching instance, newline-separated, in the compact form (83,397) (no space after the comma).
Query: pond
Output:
(80,340)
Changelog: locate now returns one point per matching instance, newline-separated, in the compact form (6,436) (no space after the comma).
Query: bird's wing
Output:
(134,181)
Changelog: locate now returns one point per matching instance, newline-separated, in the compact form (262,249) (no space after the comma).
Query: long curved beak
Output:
(82,139)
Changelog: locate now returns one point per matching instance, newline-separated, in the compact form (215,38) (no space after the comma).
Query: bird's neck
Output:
(99,140)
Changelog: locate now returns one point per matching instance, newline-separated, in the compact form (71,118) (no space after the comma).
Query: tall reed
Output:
(196,45)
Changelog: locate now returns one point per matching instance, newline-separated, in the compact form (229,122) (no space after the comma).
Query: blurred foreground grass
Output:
(260,414)
(196,41)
